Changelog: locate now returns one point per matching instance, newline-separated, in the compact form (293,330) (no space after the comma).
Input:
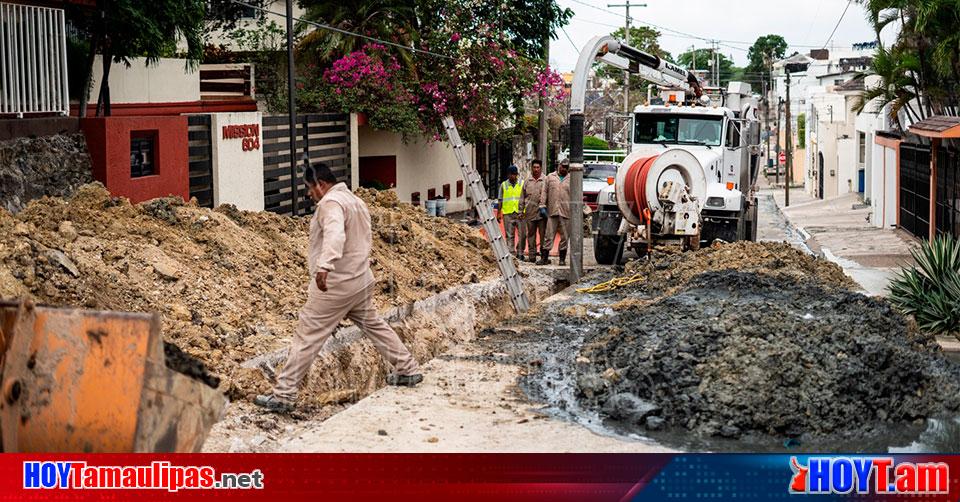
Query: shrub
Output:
(594,143)
(930,290)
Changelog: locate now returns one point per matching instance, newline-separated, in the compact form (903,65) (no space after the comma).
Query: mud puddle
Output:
(551,345)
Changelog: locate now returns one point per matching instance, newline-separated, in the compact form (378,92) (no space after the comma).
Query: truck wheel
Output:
(605,249)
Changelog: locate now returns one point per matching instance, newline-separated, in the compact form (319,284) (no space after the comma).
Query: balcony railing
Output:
(33,61)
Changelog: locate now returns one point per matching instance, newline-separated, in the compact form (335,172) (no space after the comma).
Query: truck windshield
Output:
(678,129)
(599,171)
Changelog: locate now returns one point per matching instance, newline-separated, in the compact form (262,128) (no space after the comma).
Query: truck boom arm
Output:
(615,53)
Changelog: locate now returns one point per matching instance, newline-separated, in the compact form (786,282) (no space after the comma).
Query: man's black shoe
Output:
(273,403)
(404,380)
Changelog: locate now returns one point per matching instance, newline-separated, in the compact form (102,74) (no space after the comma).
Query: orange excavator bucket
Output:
(86,381)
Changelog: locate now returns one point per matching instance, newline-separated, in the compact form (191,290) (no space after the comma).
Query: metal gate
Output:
(201,159)
(321,137)
(915,189)
(948,192)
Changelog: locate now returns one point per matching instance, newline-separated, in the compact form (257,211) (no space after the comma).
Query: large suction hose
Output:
(641,175)
(635,183)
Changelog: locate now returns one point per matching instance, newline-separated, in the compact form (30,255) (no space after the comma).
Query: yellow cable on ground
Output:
(612,284)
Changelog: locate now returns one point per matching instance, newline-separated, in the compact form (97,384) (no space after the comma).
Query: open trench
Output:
(349,369)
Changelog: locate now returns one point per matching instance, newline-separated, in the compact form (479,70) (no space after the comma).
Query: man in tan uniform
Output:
(556,200)
(341,286)
(534,216)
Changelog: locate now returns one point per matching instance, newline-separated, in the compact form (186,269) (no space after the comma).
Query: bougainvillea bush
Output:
(368,81)
(473,74)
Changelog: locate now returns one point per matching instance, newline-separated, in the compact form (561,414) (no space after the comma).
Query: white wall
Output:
(421,165)
(846,165)
(884,187)
(167,81)
(890,187)
(237,173)
(218,37)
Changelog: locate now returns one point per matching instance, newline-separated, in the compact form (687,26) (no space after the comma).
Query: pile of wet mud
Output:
(733,353)
(228,283)
(670,269)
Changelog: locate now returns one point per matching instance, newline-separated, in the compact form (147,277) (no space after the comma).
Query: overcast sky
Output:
(737,23)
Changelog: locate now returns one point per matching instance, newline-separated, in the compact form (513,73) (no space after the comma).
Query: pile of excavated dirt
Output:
(415,255)
(31,168)
(670,269)
(228,283)
(734,352)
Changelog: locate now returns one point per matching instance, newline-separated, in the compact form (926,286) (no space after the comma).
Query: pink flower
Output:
(455,37)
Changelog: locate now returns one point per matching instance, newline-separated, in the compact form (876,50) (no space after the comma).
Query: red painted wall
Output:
(203,106)
(108,140)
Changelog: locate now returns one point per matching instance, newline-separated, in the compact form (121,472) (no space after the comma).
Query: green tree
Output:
(392,20)
(920,70)
(491,59)
(802,129)
(762,53)
(641,37)
(527,23)
(703,58)
(646,39)
(120,30)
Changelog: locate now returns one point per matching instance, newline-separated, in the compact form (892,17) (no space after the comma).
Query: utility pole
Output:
(769,90)
(776,179)
(766,118)
(542,146)
(626,40)
(786,175)
(292,111)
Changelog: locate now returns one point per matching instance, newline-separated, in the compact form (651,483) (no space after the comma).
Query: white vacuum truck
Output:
(690,175)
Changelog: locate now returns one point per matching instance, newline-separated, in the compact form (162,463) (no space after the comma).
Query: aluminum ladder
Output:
(480,202)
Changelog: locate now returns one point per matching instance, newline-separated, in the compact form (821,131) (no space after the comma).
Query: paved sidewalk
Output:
(839,229)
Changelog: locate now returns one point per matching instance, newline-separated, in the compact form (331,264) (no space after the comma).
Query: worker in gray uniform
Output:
(555,198)
(341,286)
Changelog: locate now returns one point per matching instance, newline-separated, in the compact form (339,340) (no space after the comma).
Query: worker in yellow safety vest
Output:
(508,201)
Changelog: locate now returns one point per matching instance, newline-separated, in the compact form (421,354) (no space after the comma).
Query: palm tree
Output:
(393,20)
(920,71)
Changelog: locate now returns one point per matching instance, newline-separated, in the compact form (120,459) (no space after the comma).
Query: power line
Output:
(575,48)
(342,31)
(834,32)
(676,33)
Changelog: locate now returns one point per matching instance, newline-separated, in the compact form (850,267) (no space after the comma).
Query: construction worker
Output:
(534,216)
(341,286)
(510,215)
(555,199)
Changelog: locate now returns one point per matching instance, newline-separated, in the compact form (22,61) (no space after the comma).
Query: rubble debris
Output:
(31,168)
(670,269)
(228,283)
(733,352)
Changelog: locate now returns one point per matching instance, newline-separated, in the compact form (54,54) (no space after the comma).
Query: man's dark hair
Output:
(536,161)
(313,174)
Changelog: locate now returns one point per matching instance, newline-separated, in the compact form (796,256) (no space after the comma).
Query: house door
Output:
(820,176)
